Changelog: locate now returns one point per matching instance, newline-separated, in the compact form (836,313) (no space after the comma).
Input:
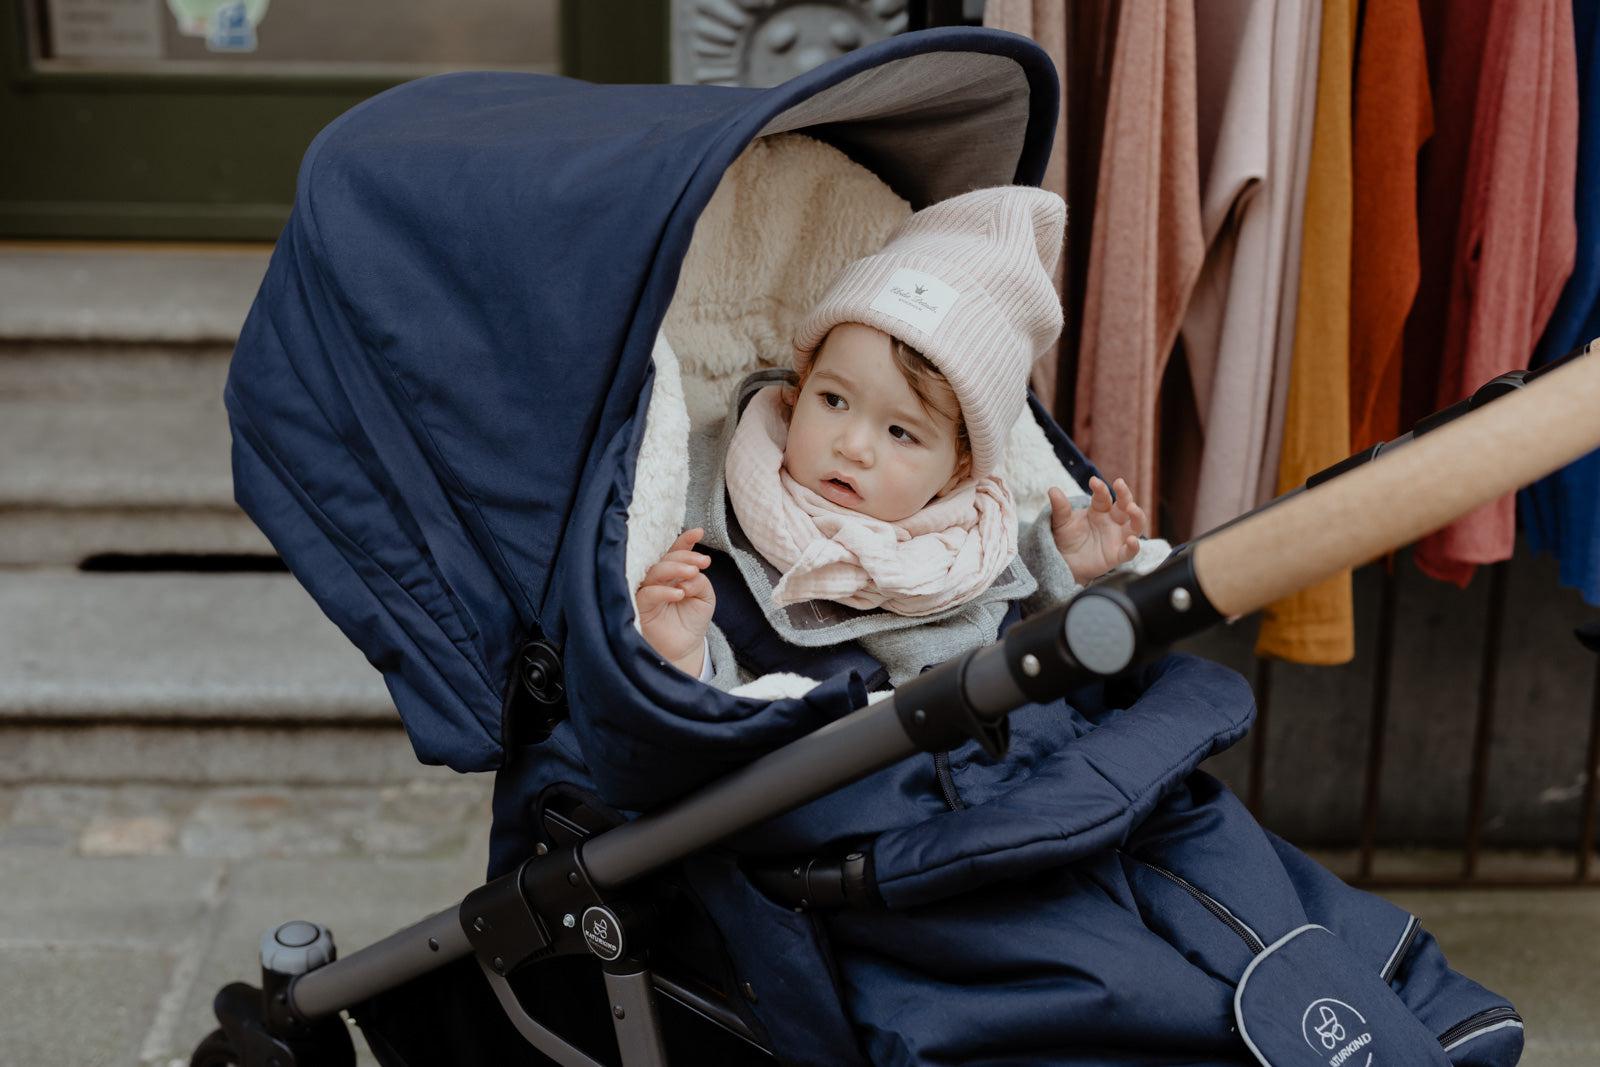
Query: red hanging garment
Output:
(1516,236)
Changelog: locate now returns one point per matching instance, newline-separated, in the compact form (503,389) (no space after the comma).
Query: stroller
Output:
(459,407)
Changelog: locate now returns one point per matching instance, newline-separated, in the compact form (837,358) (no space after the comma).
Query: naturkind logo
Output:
(1337,1032)
(602,931)
(915,298)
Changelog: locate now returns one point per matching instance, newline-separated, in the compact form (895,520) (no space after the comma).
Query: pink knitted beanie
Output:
(966,282)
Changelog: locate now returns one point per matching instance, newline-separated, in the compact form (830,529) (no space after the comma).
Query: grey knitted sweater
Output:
(1038,576)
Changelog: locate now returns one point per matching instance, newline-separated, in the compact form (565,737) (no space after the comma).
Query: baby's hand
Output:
(1101,536)
(675,602)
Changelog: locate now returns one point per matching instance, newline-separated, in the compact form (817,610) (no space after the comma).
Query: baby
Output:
(872,480)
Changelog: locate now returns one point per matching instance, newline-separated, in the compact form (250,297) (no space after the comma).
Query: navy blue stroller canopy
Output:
(434,396)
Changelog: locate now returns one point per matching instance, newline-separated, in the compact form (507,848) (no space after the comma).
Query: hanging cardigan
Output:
(1257,63)
(1561,514)
(1516,238)
(1146,248)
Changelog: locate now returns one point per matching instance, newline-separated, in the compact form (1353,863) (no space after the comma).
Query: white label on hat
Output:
(916,299)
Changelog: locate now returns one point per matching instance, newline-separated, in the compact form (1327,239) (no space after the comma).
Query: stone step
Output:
(53,291)
(186,679)
(112,363)
(116,448)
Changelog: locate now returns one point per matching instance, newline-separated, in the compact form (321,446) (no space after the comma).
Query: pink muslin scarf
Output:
(943,556)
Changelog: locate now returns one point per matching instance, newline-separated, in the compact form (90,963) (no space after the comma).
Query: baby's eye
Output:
(833,400)
(900,433)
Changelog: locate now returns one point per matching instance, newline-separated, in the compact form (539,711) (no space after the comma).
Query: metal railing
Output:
(1533,858)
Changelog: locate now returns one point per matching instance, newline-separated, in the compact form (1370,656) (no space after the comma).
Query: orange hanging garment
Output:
(1317,625)
(1394,118)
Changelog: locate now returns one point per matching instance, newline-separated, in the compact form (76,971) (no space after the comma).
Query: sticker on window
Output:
(226,25)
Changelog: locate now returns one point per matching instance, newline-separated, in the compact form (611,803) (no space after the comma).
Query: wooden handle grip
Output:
(1404,493)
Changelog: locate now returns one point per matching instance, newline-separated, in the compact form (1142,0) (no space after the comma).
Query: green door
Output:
(187,119)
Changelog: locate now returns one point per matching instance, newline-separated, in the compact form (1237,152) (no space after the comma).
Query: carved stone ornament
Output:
(764,42)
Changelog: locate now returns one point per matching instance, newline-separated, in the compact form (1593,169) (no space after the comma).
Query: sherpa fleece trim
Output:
(790,213)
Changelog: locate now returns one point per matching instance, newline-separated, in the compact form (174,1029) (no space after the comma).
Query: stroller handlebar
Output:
(1541,424)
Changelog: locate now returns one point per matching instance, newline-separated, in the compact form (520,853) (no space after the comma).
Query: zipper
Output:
(1215,907)
(947,781)
(1402,950)
(1473,1025)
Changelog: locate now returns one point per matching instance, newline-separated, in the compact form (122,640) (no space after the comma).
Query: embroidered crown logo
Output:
(916,298)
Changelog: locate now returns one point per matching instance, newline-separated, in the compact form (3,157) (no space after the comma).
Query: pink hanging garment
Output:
(1147,246)
(1257,67)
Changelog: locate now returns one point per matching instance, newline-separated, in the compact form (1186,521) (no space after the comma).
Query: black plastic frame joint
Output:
(263,1030)
(805,883)
(1169,603)
(277,1005)
(503,928)
(1327,474)
(535,699)
(810,882)
(935,713)
(1489,391)
(575,916)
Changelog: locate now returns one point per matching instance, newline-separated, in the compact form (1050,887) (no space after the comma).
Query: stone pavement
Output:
(124,908)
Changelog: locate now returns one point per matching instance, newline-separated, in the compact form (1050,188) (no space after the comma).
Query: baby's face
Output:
(859,437)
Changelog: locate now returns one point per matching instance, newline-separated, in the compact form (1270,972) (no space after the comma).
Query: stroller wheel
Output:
(215,1051)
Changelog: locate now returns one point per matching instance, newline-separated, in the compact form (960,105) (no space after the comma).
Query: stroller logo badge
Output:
(915,298)
(1328,1028)
(1336,1031)
(603,933)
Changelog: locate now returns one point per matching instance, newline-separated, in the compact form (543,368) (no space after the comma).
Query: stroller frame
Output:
(587,897)
(592,898)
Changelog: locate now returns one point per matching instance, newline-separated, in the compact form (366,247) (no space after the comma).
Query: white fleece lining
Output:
(788,215)
(661,476)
